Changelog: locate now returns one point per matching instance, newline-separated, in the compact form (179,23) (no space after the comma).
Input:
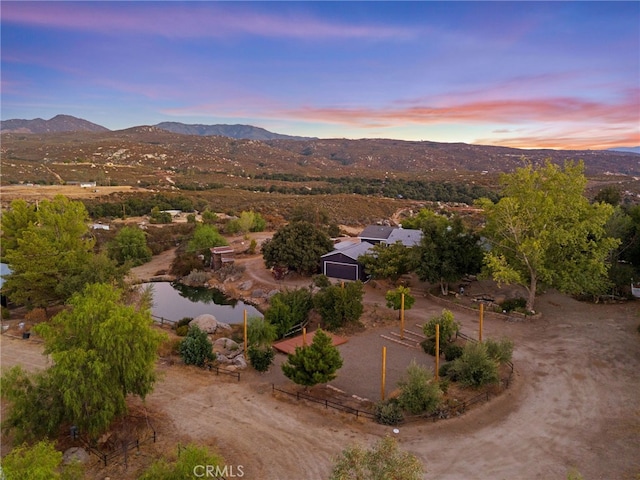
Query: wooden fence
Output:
(124,449)
(327,403)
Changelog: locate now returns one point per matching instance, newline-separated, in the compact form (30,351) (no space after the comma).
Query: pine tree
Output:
(315,363)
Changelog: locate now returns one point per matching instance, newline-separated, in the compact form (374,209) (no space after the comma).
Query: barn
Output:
(343,261)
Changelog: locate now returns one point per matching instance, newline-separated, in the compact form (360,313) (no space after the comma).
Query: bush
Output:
(388,412)
(452,351)
(445,370)
(511,304)
(196,278)
(443,385)
(182,330)
(448,326)
(475,367)
(429,346)
(182,322)
(501,351)
(195,348)
(261,358)
(418,393)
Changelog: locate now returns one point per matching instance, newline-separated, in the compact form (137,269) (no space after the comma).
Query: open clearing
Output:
(573,403)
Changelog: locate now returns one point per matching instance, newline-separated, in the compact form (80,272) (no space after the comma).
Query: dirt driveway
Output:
(573,404)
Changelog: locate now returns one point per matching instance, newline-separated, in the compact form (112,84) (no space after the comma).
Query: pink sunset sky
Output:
(562,75)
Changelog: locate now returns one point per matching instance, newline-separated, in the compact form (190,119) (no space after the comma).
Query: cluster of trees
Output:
(448,250)
(392,188)
(139,205)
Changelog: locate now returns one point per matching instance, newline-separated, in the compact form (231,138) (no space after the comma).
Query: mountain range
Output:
(72,149)
(68,123)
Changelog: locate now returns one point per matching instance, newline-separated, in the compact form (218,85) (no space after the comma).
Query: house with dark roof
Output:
(375,234)
(343,263)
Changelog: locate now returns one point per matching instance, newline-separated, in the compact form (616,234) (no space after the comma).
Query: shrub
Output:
(501,350)
(261,358)
(182,330)
(445,370)
(429,346)
(196,278)
(511,304)
(182,322)
(443,385)
(452,351)
(448,326)
(196,348)
(388,412)
(475,367)
(418,393)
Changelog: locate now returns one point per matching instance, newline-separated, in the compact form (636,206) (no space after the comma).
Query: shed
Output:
(221,256)
(343,262)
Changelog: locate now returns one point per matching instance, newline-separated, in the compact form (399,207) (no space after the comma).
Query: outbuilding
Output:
(343,263)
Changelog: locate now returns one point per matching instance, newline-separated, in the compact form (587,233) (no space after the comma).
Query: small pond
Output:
(175,301)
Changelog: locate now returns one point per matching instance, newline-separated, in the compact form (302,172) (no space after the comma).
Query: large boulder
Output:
(205,322)
(227,348)
(75,454)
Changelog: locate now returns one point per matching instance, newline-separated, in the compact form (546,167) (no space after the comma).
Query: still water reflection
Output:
(175,301)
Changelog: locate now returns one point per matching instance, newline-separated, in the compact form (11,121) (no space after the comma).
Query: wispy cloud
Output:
(506,111)
(203,19)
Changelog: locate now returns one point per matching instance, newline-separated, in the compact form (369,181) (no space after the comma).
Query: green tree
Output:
(35,404)
(315,363)
(288,309)
(204,238)
(545,230)
(130,245)
(158,216)
(384,461)
(610,194)
(448,326)
(15,221)
(446,252)
(339,305)
(387,261)
(260,331)
(248,222)
(418,392)
(103,350)
(52,255)
(297,246)
(394,298)
(191,462)
(196,348)
(209,217)
(40,461)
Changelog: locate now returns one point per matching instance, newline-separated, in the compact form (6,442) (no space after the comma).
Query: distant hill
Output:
(246,132)
(57,124)
(626,149)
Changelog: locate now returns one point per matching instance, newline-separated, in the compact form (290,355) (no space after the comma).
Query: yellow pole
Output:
(481,320)
(384,370)
(304,337)
(437,349)
(245,331)
(402,317)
